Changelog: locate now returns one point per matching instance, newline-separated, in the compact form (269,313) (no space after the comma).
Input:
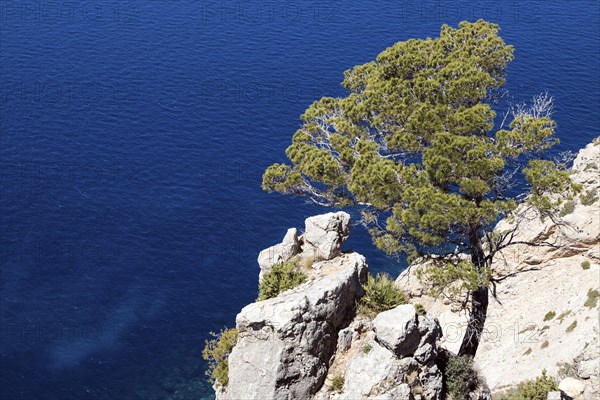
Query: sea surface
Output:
(133,139)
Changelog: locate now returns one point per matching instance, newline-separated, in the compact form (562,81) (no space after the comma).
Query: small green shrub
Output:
(536,389)
(588,198)
(545,344)
(567,209)
(571,327)
(527,352)
(549,315)
(337,383)
(563,315)
(381,294)
(280,278)
(420,309)
(367,348)
(216,351)
(459,377)
(545,327)
(585,264)
(592,298)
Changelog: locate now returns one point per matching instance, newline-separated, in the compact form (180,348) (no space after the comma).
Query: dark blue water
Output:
(133,138)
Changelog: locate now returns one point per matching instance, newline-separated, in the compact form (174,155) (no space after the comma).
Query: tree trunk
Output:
(479,302)
(477,315)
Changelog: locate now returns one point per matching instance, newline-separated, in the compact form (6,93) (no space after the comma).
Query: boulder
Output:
(282,252)
(376,373)
(285,344)
(324,235)
(397,330)
(572,387)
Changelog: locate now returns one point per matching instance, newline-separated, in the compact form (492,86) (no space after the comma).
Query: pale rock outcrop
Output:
(521,338)
(324,234)
(377,366)
(322,240)
(375,370)
(285,343)
(397,330)
(572,387)
(279,253)
(587,363)
(291,346)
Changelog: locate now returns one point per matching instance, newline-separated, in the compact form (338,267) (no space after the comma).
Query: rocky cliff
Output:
(308,342)
(298,344)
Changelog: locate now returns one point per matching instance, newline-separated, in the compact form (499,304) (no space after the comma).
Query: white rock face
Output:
(397,330)
(282,252)
(587,363)
(379,371)
(324,234)
(322,240)
(375,371)
(285,343)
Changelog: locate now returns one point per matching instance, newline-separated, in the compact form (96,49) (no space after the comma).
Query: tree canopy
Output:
(413,144)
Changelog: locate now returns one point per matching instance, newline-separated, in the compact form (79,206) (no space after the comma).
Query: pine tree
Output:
(413,145)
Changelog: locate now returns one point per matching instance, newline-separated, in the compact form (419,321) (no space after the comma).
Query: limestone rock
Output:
(282,252)
(285,343)
(431,381)
(400,392)
(324,234)
(587,364)
(378,372)
(397,330)
(375,372)
(572,387)
(345,339)
(425,353)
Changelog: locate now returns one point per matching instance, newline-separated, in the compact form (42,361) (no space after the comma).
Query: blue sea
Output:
(133,139)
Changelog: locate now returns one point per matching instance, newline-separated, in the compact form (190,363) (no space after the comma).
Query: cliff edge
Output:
(309,342)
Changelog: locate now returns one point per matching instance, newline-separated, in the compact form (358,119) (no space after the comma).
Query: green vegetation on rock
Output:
(592,298)
(281,277)
(549,315)
(459,376)
(381,294)
(588,198)
(337,383)
(563,315)
(585,264)
(567,209)
(536,389)
(216,351)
